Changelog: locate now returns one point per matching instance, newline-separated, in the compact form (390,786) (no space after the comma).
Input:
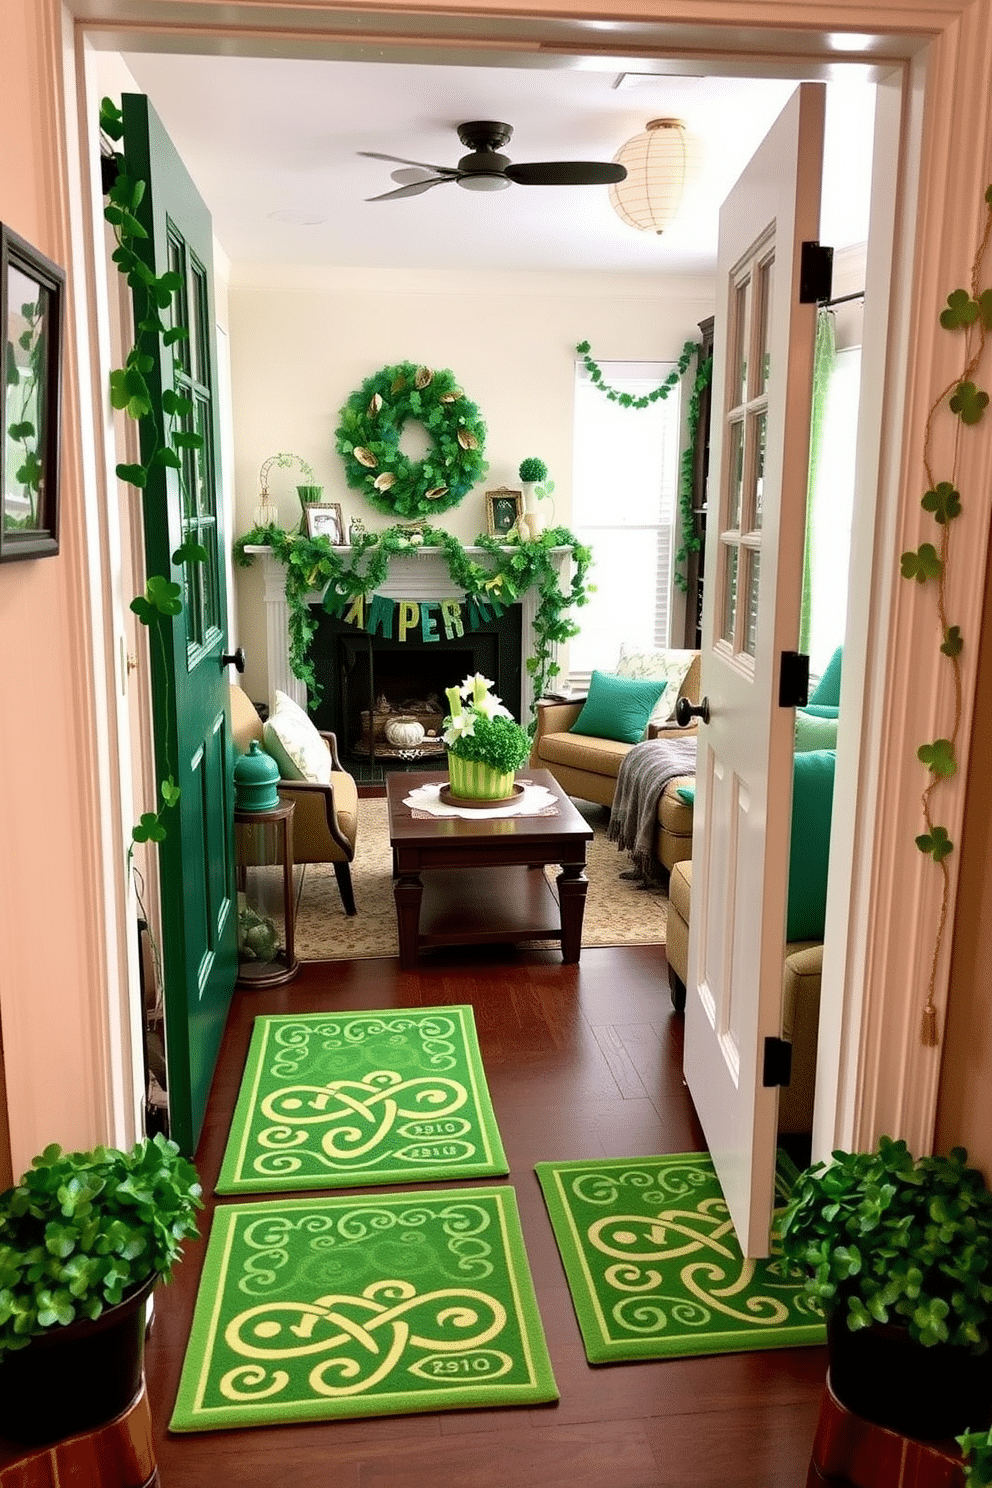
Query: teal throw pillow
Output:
(827,690)
(687,792)
(812,799)
(813,732)
(821,710)
(617,708)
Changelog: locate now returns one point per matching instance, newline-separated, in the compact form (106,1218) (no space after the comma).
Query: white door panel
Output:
(759,448)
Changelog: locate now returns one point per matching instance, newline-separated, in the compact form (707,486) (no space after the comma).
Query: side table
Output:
(263,859)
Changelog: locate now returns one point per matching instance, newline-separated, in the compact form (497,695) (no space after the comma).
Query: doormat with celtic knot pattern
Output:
(338,1100)
(654,1267)
(363,1305)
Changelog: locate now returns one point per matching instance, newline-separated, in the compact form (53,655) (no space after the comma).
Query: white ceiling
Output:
(272,146)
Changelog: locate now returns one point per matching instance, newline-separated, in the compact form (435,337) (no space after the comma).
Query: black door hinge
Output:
(816,274)
(793,680)
(777,1068)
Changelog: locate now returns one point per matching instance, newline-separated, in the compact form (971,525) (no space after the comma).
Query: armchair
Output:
(325,822)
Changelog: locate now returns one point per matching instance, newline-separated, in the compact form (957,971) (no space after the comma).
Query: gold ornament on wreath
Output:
(371,426)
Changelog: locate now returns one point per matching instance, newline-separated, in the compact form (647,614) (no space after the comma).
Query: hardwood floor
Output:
(582,1061)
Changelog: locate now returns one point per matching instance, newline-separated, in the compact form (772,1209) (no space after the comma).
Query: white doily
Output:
(536,800)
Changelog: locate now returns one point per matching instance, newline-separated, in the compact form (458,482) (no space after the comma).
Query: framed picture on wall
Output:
(324,519)
(32,311)
(504,507)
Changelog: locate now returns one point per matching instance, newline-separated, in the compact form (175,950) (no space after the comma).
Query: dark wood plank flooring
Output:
(581,1061)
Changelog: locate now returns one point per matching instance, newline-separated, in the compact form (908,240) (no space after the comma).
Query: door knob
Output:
(237,660)
(686,711)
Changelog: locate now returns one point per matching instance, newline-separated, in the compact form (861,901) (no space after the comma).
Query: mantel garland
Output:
(968,313)
(690,540)
(371,425)
(314,564)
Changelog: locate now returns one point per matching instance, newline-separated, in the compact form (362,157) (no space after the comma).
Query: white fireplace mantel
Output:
(421,574)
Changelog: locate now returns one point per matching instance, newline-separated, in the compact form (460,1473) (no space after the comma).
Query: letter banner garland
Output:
(418,619)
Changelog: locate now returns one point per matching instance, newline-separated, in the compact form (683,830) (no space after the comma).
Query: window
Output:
(624,490)
(833,501)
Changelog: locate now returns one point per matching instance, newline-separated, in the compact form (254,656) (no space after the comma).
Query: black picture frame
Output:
(32,318)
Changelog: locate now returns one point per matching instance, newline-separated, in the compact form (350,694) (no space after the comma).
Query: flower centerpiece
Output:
(485,745)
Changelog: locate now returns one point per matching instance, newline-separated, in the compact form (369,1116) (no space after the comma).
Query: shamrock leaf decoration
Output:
(921,565)
(961,311)
(161,597)
(953,644)
(935,843)
(194,552)
(149,829)
(938,757)
(969,403)
(582,348)
(170,792)
(943,501)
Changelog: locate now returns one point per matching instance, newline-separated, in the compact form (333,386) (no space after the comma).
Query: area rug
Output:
(323,1308)
(654,1267)
(340,1100)
(617,912)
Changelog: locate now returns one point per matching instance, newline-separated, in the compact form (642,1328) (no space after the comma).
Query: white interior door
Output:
(762,377)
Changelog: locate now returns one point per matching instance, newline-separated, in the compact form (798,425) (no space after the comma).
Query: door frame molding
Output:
(882,918)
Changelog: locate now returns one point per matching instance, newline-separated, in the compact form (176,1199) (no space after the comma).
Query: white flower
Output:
(491,707)
(474,689)
(460,727)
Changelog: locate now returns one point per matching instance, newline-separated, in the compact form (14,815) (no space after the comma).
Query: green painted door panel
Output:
(189,686)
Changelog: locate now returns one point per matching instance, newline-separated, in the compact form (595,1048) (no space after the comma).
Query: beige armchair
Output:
(325,822)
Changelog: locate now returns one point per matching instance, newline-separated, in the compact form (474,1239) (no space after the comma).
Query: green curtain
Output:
(824,355)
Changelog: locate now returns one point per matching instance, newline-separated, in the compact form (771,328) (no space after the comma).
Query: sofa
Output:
(586,766)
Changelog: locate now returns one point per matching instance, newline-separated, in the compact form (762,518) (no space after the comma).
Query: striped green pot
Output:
(474,781)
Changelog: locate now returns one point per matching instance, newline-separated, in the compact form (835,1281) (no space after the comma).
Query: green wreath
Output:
(368,439)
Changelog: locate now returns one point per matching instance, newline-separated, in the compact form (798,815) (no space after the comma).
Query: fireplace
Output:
(419,575)
(367,679)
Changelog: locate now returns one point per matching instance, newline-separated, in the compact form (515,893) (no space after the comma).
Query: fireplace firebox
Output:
(367,679)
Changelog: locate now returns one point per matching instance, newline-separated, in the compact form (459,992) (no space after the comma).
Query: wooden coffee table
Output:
(461,881)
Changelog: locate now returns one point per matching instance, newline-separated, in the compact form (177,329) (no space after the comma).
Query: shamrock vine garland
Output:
(964,312)
(369,432)
(627,400)
(312,563)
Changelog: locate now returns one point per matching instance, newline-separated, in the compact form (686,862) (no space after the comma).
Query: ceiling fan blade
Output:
(442,170)
(414,188)
(565,173)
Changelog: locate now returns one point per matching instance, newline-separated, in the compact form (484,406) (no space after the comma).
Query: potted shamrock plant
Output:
(533,474)
(485,745)
(84,1238)
(898,1252)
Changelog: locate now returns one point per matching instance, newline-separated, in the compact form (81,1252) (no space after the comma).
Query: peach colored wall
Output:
(51,967)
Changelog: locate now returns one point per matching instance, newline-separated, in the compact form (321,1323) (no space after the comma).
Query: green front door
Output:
(189,682)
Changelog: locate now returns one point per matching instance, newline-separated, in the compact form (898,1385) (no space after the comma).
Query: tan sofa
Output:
(801,975)
(587,767)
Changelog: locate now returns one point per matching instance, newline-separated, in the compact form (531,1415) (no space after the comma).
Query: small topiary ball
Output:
(532,469)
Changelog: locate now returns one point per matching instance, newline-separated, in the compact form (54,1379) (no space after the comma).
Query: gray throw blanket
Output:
(642,776)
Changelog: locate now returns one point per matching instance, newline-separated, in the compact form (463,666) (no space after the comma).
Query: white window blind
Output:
(624,498)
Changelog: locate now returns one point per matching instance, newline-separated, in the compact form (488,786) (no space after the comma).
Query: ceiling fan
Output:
(485,169)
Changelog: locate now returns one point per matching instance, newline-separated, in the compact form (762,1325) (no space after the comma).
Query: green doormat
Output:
(654,1267)
(322,1308)
(340,1100)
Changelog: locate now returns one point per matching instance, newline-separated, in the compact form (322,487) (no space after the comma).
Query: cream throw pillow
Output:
(295,745)
(657,666)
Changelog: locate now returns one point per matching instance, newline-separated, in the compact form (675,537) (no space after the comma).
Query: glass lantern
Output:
(263,857)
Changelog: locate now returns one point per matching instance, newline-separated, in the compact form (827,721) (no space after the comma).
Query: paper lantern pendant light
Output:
(656,160)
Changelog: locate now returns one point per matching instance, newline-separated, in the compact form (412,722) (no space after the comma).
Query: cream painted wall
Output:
(52,963)
(299,350)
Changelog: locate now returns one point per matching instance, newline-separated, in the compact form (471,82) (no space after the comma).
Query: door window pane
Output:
(735,475)
(729,593)
(739,329)
(759,425)
(752,565)
(764,293)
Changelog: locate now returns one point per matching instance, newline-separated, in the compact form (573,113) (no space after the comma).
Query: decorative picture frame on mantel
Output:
(504,508)
(32,317)
(324,519)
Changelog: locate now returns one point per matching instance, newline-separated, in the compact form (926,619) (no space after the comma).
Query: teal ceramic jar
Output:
(256,780)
